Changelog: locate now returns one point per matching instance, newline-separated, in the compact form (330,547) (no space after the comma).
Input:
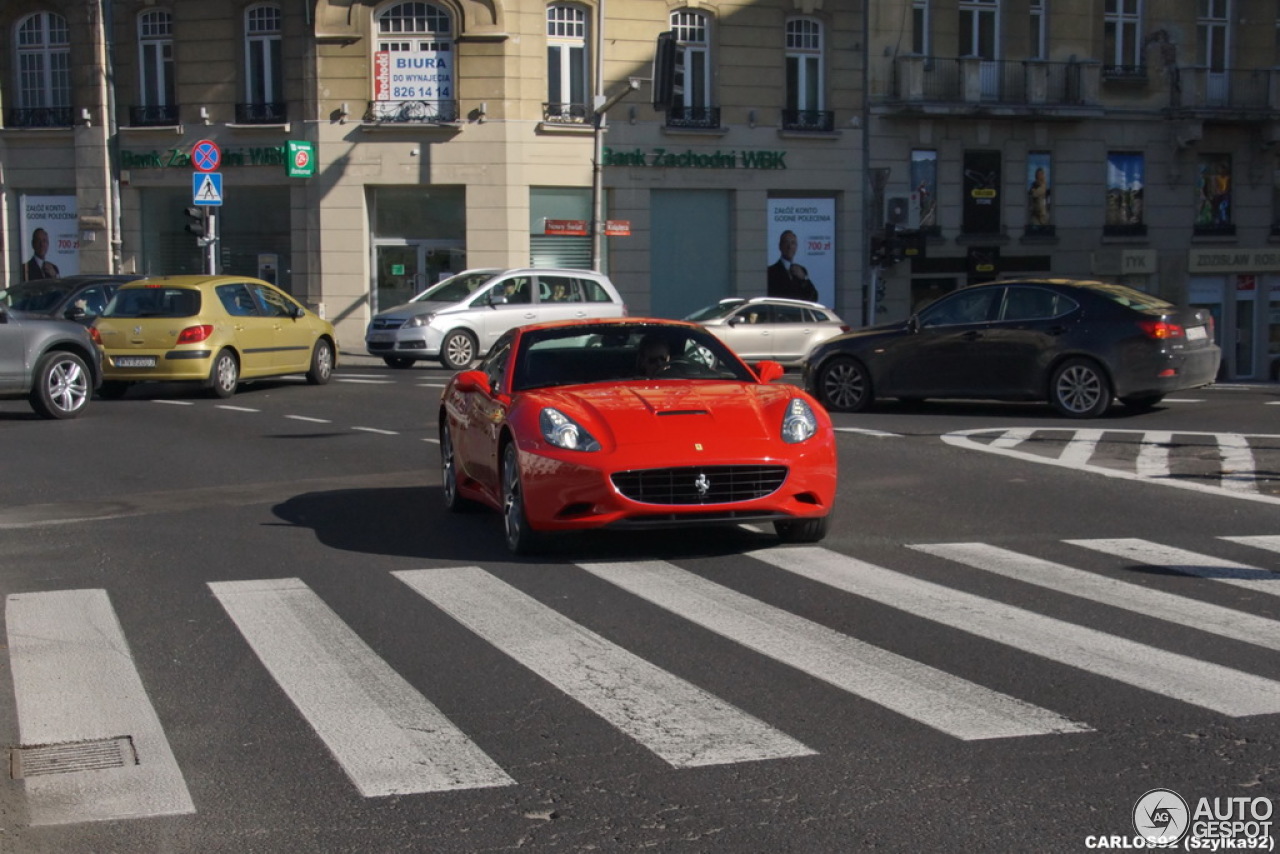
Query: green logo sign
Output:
(300,159)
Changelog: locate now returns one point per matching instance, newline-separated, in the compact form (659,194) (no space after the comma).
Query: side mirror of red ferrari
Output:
(470,381)
(768,371)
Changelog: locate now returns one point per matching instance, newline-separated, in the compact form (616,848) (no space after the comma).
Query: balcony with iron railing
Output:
(153,115)
(565,114)
(266,113)
(411,112)
(693,118)
(1238,93)
(809,121)
(970,85)
(38,117)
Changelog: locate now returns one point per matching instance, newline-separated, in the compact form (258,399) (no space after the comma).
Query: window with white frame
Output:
(1213,31)
(804,64)
(1039,44)
(415,64)
(1122,25)
(693,38)
(43,53)
(264,81)
(566,62)
(978,28)
(155,58)
(921,44)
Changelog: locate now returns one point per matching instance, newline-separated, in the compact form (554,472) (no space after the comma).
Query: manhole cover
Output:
(71,757)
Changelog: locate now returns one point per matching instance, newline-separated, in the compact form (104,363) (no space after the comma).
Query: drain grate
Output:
(71,757)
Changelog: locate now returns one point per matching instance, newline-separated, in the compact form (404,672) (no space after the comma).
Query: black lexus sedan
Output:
(1079,345)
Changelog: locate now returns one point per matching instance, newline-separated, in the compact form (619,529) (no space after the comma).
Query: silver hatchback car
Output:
(458,319)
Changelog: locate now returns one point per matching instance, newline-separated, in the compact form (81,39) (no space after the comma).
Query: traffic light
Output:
(668,73)
(198,224)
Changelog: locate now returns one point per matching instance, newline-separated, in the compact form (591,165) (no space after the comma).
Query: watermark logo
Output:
(1161,816)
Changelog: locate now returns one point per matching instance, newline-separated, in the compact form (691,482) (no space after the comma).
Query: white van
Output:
(457,320)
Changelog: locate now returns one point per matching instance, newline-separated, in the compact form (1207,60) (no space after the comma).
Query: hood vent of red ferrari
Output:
(685,412)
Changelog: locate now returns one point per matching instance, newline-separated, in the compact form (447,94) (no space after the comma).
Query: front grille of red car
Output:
(700,484)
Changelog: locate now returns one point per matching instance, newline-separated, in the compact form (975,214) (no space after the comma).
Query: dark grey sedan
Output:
(52,363)
(1077,344)
(79,298)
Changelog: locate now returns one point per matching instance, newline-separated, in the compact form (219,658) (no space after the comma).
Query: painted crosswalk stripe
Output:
(1268,542)
(1231,692)
(925,694)
(1153,454)
(1160,604)
(75,681)
(1188,563)
(387,737)
(1013,437)
(679,722)
(1239,470)
(1080,447)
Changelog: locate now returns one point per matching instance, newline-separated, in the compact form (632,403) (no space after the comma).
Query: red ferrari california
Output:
(633,423)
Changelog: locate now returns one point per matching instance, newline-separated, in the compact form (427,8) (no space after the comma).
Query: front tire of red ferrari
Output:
(521,539)
(801,530)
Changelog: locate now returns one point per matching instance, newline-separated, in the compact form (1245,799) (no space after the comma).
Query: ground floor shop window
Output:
(419,237)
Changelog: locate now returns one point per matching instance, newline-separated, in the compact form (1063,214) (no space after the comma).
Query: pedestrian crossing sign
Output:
(206,188)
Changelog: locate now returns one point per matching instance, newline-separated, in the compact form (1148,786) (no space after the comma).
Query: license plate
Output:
(1196,333)
(134,361)
(381,336)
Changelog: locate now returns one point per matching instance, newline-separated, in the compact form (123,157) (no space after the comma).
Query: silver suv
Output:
(53,363)
(457,320)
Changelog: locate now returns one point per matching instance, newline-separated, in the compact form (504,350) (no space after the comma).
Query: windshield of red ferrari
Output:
(646,352)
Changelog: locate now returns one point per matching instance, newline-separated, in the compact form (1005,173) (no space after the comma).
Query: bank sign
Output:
(689,159)
(412,75)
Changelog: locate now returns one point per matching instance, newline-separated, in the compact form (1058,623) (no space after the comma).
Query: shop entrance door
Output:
(405,268)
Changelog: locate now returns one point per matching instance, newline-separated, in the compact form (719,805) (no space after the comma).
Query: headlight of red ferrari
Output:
(563,432)
(798,424)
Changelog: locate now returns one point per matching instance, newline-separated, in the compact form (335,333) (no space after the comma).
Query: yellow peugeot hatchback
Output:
(216,330)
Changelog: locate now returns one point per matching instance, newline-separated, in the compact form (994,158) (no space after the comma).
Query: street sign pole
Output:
(211,247)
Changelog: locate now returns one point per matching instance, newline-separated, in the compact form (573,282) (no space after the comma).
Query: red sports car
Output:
(633,423)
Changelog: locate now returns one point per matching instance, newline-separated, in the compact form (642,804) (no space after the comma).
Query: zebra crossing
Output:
(78,689)
(1218,463)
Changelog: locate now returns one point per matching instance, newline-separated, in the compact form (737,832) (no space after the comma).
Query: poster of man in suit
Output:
(801,240)
(50,240)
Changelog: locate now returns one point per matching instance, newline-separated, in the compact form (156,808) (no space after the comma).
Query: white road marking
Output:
(1231,692)
(309,419)
(173,402)
(934,698)
(432,385)
(1160,604)
(231,408)
(864,431)
(431,439)
(1014,437)
(1183,400)
(364,381)
(1238,466)
(388,738)
(968,439)
(1153,454)
(1188,563)
(1271,543)
(75,680)
(376,430)
(1079,449)
(680,722)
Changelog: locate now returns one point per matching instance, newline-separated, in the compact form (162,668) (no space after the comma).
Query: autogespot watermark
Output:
(1163,819)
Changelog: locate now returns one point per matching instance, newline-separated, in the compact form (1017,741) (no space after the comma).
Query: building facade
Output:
(1131,140)
(444,135)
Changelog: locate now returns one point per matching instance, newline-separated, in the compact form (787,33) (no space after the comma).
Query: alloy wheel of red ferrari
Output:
(521,539)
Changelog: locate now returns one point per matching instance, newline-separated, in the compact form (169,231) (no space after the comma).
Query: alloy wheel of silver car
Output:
(62,386)
(1080,390)
(844,386)
(458,350)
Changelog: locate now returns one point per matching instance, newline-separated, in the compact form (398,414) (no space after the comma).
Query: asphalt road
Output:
(248,625)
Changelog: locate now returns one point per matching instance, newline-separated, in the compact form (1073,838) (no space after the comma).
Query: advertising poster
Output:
(1125,180)
(50,237)
(1213,191)
(924,190)
(802,249)
(1039,191)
